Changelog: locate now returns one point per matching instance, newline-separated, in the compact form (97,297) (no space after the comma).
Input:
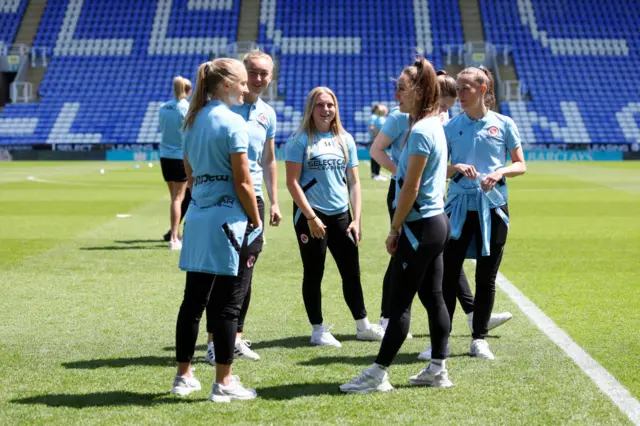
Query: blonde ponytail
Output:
(210,75)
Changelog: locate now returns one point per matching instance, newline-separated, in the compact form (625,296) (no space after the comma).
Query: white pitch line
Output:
(596,372)
(101,185)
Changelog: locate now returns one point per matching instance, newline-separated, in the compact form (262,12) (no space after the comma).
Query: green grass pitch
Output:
(89,301)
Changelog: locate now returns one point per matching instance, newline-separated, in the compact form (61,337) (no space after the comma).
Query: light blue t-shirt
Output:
(323,176)
(261,125)
(216,133)
(172,115)
(378,123)
(395,128)
(427,139)
(372,121)
(216,222)
(482,143)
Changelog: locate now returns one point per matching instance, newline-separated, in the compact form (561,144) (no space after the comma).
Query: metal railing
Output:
(39,57)
(513,90)
(475,53)
(21,91)
(239,48)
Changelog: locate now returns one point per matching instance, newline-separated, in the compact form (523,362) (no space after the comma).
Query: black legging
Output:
(185,203)
(486,268)
(418,270)
(224,295)
(463,291)
(313,252)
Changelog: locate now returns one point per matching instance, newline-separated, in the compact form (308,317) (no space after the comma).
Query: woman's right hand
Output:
(467,170)
(257,224)
(316,227)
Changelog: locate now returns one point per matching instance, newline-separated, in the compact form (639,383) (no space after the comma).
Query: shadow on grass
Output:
(287,343)
(158,240)
(298,390)
(104,399)
(367,360)
(145,361)
(114,248)
(131,245)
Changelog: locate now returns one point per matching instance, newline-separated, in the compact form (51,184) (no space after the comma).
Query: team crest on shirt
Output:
(251,261)
(262,119)
(493,131)
(304,238)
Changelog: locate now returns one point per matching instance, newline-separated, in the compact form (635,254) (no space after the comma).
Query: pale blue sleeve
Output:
(419,144)
(238,136)
(447,128)
(353,152)
(271,131)
(294,151)
(512,135)
(183,109)
(379,123)
(185,145)
(392,127)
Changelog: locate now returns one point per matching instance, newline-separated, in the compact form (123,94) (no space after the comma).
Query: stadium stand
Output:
(11,12)
(109,70)
(580,62)
(354,47)
(112,65)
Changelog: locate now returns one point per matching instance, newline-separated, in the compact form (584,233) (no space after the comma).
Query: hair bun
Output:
(441,72)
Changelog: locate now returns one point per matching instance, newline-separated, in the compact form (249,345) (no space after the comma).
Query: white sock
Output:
(378,371)
(317,327)
(470,316)
(363,324)
(437,365)
(210,345)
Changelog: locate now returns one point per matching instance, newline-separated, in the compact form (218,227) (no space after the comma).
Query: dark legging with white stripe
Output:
(418,268)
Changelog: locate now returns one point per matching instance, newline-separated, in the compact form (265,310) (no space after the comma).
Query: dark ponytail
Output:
(490,96)
(447,84)
(424,82)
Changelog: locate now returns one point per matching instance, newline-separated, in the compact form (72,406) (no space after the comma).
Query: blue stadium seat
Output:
(10,17)
(580,62)
(113,62)
(354,47)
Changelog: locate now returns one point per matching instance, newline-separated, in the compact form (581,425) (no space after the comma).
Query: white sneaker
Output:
(480,348)
(426,355)
(235,390)
(210,356)
(175,245)
(496,320)
(374,333)
(323,337)
(183,385)
(428,378)
(384,322)
(242,351)
(379,178)
(367,383)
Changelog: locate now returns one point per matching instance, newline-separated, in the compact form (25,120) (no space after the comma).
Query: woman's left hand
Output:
(491,180)
(355,230)
(392,242)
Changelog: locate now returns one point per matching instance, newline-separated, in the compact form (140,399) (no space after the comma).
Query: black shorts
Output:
(173,170)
